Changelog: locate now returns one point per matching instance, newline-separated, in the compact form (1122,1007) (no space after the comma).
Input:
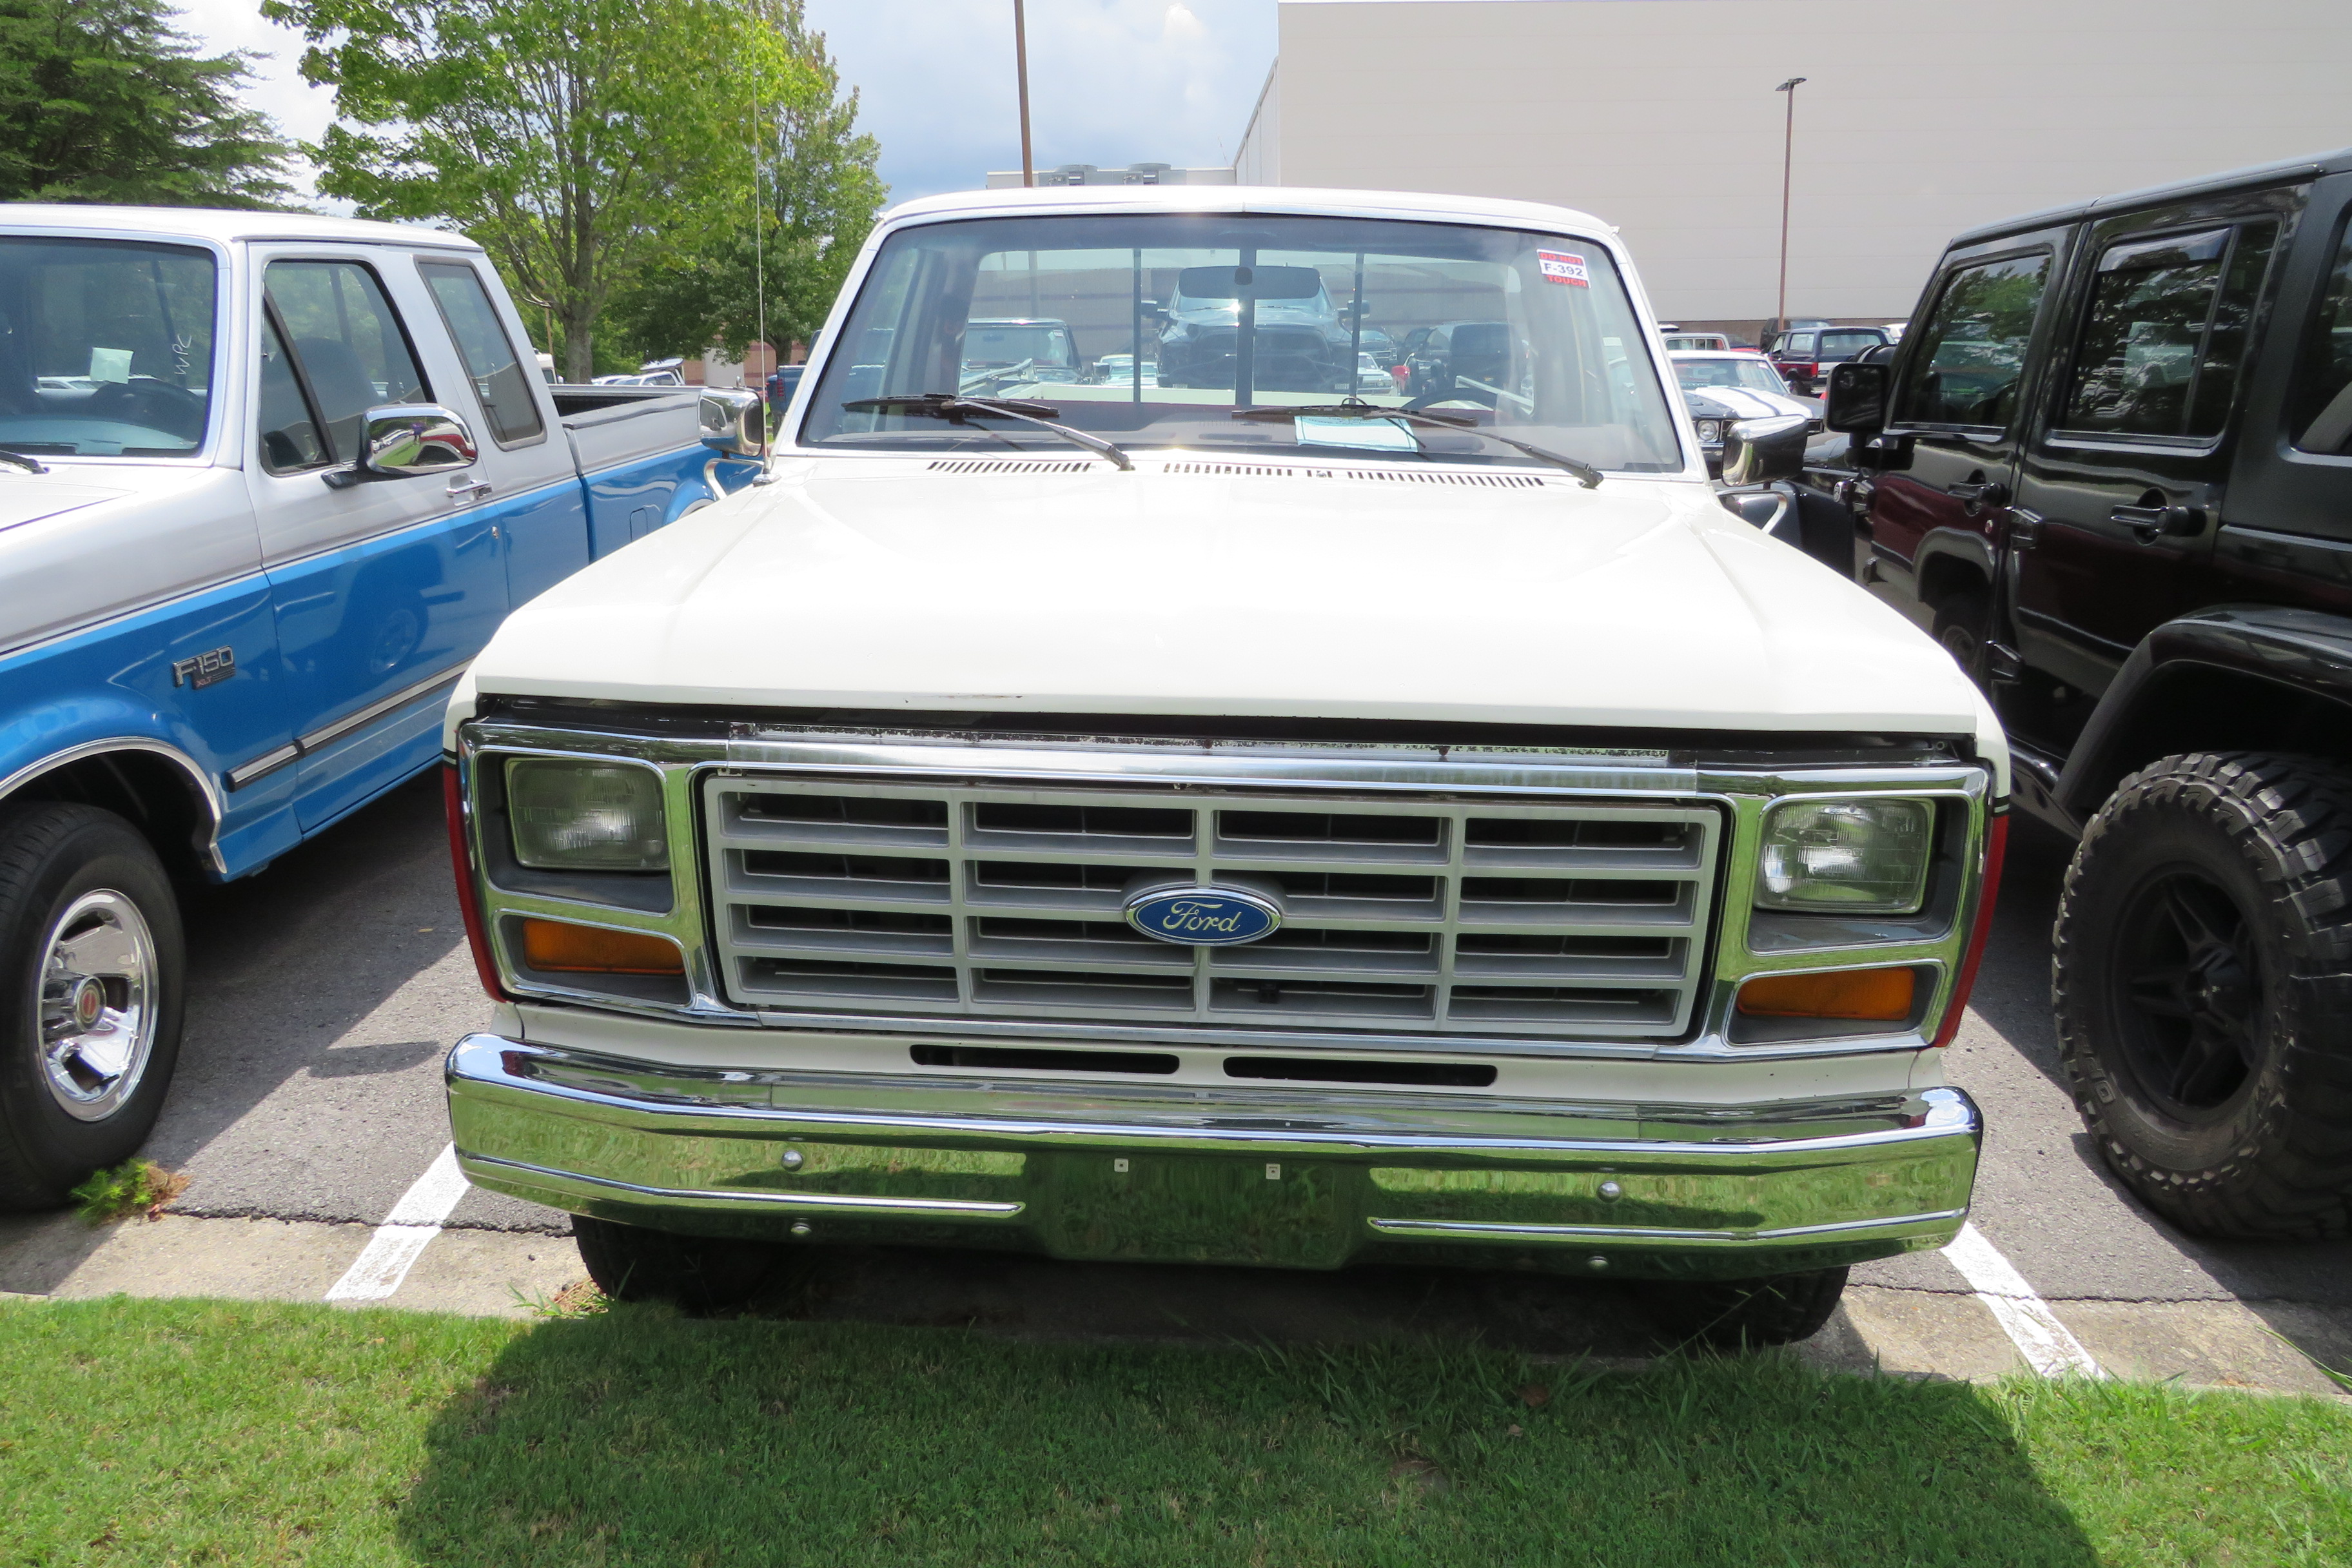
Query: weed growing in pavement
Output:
(133,1187)
(580,1298)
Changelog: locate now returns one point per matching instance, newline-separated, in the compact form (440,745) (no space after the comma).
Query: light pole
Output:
(1021,65)
(1788,162)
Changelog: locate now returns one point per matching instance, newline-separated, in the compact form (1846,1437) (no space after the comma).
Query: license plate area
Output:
(1199,1208)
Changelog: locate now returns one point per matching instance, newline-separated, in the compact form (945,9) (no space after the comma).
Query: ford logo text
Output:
(1202,917)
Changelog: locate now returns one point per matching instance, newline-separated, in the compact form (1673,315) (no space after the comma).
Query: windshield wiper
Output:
(1355,408)
(22,461)
(955,410)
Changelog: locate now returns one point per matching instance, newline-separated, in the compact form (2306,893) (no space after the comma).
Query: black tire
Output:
(700,1273)
(1963,622)
(54,858)
(1749,1314)
(2201,973)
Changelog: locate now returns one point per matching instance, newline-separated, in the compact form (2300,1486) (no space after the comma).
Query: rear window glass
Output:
(2321,413)
(2164,331)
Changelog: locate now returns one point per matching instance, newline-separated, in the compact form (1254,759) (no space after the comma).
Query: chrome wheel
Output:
(98,1005)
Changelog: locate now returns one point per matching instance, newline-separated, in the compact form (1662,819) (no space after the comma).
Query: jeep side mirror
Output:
(1856,401)
(406,441)
(1759,451)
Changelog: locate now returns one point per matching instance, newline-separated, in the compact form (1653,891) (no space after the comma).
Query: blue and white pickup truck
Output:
(268,483)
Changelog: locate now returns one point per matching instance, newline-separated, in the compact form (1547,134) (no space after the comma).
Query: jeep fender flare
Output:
(2305,656)
(1956,544)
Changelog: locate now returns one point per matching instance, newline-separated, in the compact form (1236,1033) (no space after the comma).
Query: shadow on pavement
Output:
(635,1437)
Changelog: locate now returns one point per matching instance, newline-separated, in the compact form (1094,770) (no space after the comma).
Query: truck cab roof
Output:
(222,225)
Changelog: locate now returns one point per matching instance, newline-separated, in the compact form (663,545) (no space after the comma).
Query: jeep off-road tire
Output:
(2202,973)
(700,1273)
(94,982)
(1748,1314)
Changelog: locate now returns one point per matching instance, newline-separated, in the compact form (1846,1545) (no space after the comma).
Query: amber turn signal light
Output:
(558,949)
(1880,994)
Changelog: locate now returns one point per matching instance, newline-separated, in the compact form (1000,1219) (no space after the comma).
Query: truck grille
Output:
(1558,917)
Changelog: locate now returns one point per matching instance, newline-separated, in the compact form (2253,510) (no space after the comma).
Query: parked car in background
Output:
(1721,388)
(1381,347)
(1003,350)
(1233,824)
(2110,468)
(1679,342)
(782,382)
(267,484)
(1803,354)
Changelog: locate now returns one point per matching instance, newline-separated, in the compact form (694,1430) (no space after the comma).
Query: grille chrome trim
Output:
(978,900)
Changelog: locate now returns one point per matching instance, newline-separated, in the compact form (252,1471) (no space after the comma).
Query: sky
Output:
(1110,82)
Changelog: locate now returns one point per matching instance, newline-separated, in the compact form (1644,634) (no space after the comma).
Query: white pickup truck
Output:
(1223,818)
(268,483)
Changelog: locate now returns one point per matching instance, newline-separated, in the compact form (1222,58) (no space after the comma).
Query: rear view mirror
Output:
(1856,402)
(1759,451)
(406,441)
(1211,283)
(731,423)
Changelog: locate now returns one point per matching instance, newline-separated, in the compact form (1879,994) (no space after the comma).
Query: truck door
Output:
(531,491)
(384,591)
(1935,527)
(2121,488)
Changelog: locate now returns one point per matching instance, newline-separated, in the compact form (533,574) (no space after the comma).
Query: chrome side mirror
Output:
(407,441)
(732,422)
(1759,451)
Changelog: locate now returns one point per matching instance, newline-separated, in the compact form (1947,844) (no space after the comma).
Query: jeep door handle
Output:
(1991,492)
(2150,523)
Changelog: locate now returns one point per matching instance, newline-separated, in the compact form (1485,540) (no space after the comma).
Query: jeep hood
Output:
(887,585)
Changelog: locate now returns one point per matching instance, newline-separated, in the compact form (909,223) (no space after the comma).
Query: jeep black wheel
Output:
(92,984)
(1748,1314)
(700,1273)
(2202,971)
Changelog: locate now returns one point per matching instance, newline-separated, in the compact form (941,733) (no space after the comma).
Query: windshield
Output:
(1154,329)
(106,347)
(1752,373)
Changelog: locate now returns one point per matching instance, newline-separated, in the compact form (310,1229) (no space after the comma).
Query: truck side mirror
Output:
(406,441)
(1856,402)
(1759,451)
(731,425)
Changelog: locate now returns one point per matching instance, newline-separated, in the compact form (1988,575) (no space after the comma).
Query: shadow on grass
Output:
(650,1439)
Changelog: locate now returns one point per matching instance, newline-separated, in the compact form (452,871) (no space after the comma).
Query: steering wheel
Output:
(1450,394)
(157,404)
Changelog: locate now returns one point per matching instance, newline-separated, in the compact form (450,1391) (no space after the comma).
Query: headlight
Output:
(586,816)
(1846,856)
(1710,429)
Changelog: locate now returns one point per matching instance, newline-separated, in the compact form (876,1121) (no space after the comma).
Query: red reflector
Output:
(469,903)
(1996,850)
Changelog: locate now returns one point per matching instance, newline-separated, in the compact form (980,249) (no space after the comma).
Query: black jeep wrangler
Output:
(2110,468)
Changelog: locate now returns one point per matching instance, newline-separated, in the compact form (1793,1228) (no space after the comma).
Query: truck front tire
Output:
(700,1273)
(93,980)
(1749,1314)
(2202,979)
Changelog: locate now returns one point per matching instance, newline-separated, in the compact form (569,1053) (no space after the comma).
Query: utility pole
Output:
(1788,163)
(1021,64)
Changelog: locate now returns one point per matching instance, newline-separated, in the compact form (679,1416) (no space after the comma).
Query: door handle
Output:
(1989,493)
(469,489)
(2024,529)
(2150,523)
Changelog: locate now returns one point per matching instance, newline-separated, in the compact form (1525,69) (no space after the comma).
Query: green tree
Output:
(818,195)
(575,139)
(105,100)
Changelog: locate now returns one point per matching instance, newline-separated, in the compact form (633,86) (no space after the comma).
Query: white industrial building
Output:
(1917,119)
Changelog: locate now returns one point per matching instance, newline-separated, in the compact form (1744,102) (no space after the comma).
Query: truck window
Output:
(2321,413)
(345,344)
(2163,335)
(106,347)
(289,437)
(1964,368)
(500,384)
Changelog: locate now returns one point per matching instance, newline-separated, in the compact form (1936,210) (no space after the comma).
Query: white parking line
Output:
(413,1222)
(2047,1344)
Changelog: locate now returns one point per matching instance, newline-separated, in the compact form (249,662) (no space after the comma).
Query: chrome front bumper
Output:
(1285,1177)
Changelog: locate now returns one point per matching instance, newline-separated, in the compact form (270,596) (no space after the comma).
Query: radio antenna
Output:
(759,288)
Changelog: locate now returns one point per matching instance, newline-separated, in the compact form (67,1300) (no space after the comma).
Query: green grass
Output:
(136,1186)
(194,1431)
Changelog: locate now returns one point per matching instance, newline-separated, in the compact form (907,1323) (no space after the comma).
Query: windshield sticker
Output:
(1563,267)
(1368,434)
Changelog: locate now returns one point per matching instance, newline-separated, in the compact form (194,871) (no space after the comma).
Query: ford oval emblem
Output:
(1202,917)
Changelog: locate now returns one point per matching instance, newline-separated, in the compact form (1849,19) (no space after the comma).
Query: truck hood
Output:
(28,498)
(1267,590)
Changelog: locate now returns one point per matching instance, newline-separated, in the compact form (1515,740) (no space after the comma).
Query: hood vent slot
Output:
(1379,476)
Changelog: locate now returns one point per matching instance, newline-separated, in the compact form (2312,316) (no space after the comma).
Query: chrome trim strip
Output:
(377,709)
(267,762)
(210,845)
(1480,1231)
(737,1198)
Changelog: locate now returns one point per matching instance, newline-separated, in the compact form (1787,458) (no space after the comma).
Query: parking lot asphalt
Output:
(309,1101)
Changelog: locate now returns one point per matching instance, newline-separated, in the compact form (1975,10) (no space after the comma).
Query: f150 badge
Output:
(204,668)
(1202,917)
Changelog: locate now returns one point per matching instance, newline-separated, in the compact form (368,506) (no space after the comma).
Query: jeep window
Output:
(345,351)
(1154,330)
(106,347)
(2323,392)
(1964,366)
(2162,336)
(501,384)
